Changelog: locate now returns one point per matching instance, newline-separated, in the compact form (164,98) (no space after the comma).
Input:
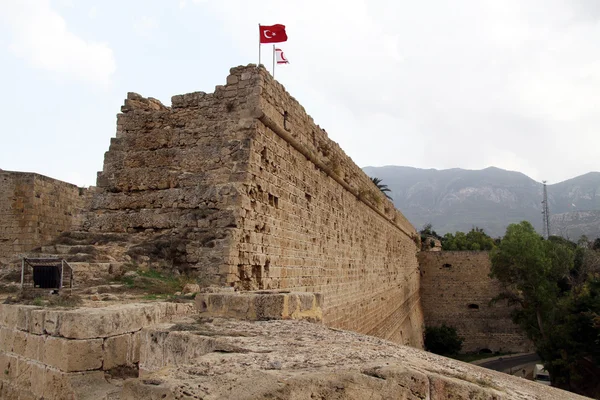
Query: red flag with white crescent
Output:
(280,57)
(272,33)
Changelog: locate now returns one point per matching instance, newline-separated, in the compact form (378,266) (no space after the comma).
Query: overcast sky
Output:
(431,84)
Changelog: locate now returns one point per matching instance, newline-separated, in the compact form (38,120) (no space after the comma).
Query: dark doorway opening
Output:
(46,277)
(46,273)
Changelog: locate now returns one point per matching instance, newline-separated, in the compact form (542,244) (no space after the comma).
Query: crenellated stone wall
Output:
(35,209)
(243,189)
(456,290)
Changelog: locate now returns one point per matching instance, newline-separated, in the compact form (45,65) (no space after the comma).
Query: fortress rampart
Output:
(456,290)
(249,193)
(35,209)
(241,190)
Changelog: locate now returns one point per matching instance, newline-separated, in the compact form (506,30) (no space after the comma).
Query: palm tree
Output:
(384,189)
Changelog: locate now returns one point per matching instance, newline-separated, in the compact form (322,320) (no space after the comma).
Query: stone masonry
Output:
(35,209)
(243,189)
(456,290)
(65,354)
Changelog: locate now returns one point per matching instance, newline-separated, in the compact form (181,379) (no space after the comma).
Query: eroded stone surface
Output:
(221,358)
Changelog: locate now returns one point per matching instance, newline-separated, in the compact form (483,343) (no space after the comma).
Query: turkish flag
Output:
(272,34)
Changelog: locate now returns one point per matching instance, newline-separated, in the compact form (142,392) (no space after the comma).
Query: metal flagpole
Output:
(259,45)
(273,61)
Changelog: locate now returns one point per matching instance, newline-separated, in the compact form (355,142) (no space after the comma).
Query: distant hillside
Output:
(458,199)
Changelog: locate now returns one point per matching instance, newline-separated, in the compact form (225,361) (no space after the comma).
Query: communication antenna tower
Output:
(545,213)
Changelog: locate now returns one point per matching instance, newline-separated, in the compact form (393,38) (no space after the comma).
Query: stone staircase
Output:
(94,257)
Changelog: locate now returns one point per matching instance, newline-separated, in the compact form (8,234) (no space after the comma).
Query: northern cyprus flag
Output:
(280,57)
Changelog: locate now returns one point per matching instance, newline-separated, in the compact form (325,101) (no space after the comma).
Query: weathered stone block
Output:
(19,342)
(9,315)
(34,349)
(51,322)
(56,385)
(38,379)
(270,306)
(73,355)
(108,321)
(24,316)
(261,305)
(25,376)
(117,351)
(134,348)
(8,366)
(232,79)
(7,337)
(36,321)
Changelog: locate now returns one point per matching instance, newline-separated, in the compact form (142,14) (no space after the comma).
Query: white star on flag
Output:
(280,57)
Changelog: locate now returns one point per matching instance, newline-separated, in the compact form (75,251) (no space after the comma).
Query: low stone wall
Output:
(456,290)
(61,354)
(258,306)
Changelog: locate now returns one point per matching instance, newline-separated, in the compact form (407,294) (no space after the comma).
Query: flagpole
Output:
(259,45)
(273,61)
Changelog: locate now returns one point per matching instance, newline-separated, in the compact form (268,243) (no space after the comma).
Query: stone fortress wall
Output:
(241,188)
(255,196)
(34,209)
(456,290)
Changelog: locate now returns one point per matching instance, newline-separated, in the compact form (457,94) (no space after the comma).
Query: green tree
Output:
(384,189)
(572,351)
(529,269)
(442,340)
(478,237)
(556,285)
(427,230)
(449,242)
(475,240)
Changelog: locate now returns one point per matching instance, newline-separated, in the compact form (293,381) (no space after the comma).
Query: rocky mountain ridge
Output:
(457,199)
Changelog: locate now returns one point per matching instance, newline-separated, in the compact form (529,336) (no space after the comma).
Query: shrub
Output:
(442,340)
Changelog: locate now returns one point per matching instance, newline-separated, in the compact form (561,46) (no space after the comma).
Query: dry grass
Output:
(50,300)
(154,283)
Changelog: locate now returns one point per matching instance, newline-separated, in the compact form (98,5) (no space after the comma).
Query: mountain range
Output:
(492,198)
